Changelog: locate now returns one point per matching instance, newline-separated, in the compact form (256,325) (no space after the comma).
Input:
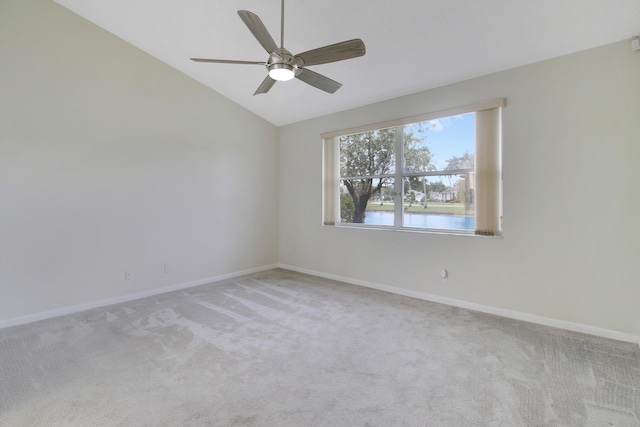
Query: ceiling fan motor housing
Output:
(282,59)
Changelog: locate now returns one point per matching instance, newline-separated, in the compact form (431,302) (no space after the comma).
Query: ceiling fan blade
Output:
(319,81)
(332,53)
(258,30)
(228,61)
(265,86)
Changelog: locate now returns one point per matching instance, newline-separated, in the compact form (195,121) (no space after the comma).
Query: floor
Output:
(280,348)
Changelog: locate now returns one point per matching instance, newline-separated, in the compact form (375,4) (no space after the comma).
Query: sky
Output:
(448,137)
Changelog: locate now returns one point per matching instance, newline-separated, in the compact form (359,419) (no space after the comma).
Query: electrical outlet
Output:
(128,275)
(166,269)
(444,275)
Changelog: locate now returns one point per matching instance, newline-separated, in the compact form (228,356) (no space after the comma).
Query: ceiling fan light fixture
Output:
(281,72)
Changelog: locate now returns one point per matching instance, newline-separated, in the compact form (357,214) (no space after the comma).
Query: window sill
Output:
(415,230)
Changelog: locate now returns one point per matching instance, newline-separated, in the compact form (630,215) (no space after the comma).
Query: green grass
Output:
(432,208)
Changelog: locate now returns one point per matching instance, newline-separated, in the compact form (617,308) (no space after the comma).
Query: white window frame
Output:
(488,169)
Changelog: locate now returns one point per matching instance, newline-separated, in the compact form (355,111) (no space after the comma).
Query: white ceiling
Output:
(412,45)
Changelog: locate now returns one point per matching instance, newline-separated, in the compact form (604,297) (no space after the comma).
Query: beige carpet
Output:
(285,349)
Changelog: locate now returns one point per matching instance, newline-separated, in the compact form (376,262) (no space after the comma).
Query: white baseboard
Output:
(124,298)
(555,323)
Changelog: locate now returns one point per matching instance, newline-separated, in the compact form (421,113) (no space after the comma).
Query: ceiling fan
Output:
(283,66)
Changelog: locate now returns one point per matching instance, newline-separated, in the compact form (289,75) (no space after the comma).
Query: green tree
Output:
(347,208)
(465,161)
(412,197)
(437,187)
(372,153)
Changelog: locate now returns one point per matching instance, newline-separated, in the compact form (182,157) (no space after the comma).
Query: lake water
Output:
(445,222)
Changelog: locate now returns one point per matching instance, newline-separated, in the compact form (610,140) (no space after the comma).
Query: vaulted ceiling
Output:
(412,45)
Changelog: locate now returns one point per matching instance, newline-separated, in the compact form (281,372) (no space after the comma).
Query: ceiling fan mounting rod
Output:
(282,25)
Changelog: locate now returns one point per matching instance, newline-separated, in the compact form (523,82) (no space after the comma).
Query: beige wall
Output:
(571,245)
(111,160)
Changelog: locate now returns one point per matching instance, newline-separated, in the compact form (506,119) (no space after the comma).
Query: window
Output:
(435,172)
